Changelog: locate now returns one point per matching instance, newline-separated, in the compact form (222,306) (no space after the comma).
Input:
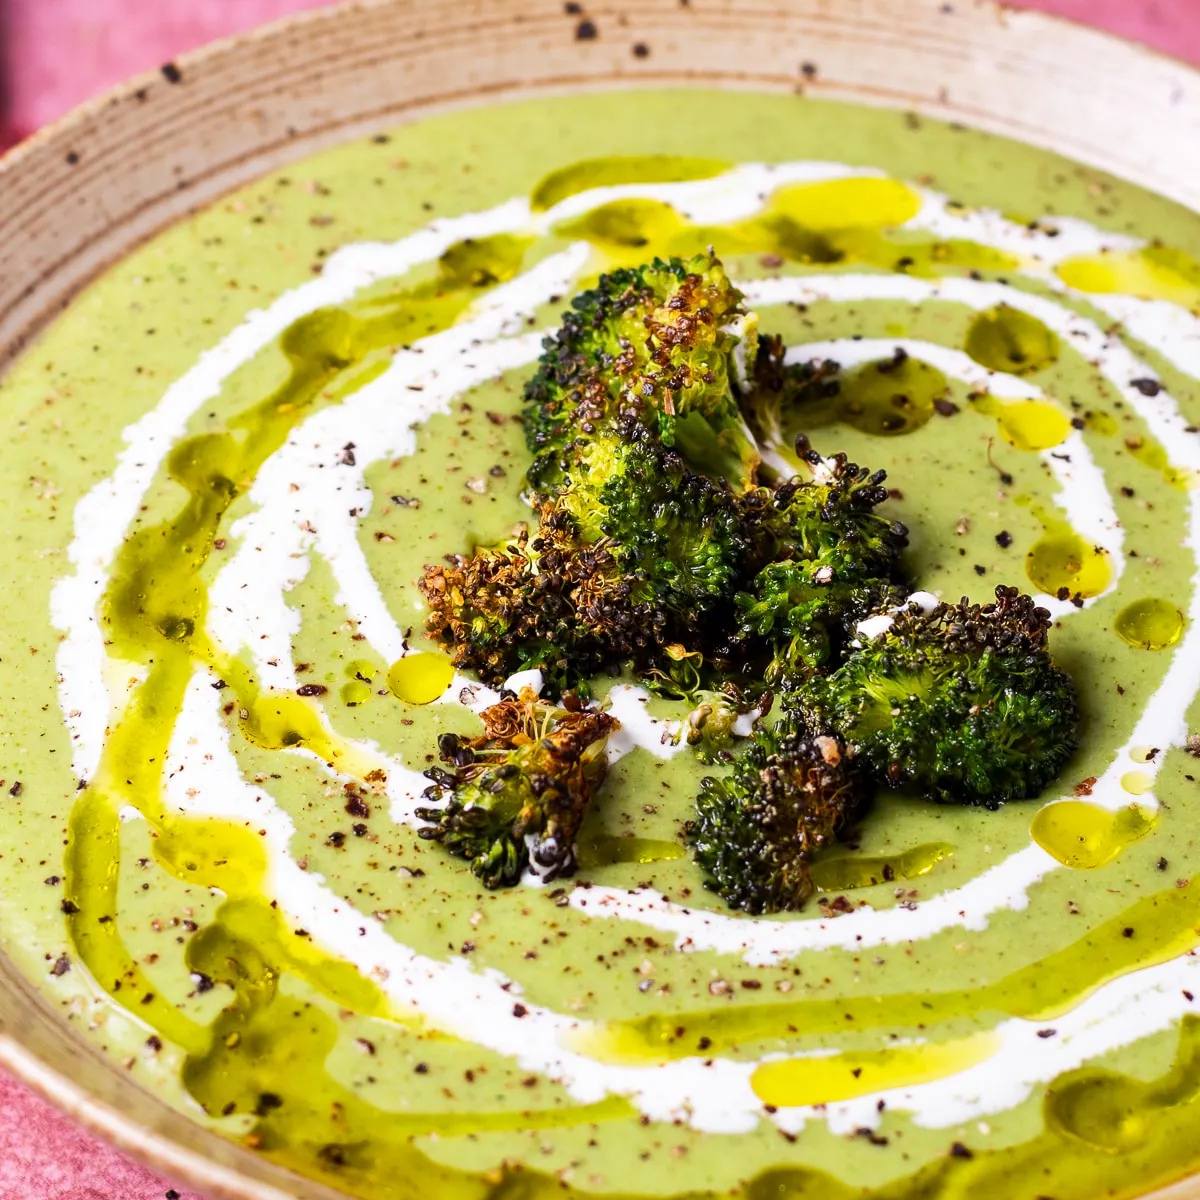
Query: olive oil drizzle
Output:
(1165,926)
(153,614)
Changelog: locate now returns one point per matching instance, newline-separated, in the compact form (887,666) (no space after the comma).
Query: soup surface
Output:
(227,463)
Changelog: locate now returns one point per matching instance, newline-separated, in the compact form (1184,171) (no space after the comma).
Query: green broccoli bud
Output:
(517,793)
(805,614)
(678,533)
(831,518)
(962,704)
(664,344)
(826,559)
(757,829)
(714,726)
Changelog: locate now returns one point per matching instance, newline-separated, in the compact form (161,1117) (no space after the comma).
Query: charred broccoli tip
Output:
(516,794)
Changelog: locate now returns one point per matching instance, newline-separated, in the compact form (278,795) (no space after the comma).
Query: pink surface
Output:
(45,1156)
(59,54)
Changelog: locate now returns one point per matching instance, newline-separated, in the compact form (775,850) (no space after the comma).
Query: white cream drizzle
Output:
(250,612)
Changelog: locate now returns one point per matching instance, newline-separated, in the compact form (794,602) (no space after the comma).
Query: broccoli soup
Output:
(660,664)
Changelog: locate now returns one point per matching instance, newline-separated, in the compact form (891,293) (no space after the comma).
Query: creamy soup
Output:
(228,462)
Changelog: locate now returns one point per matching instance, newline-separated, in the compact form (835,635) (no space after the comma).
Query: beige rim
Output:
(80,194)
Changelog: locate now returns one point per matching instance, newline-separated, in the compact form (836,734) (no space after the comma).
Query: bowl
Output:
(82,193)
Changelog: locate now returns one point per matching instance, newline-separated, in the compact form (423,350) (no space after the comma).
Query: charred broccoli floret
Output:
(800,616)
(665,344)
(757,829)
(831,516)
(517,793)
(544,601)
(636,551)
(830,559)
(961,704)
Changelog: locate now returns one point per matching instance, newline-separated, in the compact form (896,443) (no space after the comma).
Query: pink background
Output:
(57,53)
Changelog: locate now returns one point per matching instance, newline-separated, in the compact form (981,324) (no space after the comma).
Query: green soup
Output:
(229,460)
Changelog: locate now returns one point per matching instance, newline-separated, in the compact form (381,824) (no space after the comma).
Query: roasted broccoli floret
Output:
(545,601)
(635,552)
(665,344)
(960,704)
(799,616)
(680,534)
(756,830)
(830,558)
(517,793)
(831,516)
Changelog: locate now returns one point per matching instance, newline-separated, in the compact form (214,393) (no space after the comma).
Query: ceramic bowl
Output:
(81,194)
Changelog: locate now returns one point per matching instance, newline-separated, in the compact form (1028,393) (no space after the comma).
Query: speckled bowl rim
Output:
(951,65)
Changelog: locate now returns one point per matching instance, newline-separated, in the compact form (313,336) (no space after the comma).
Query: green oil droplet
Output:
(618,169)
(1004,338)
(1062,561)
(1136,783)
(849,871)
(1099,1109)
(1152,273)
(326,336)
(1150,624)
(823,1079)
(891,397)
(861,201)
(362,668)
(356,692)
(632,224)
(1027,424)
(603,851)
(1083,835)
(480,262)
(420,678)
(1153,454)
